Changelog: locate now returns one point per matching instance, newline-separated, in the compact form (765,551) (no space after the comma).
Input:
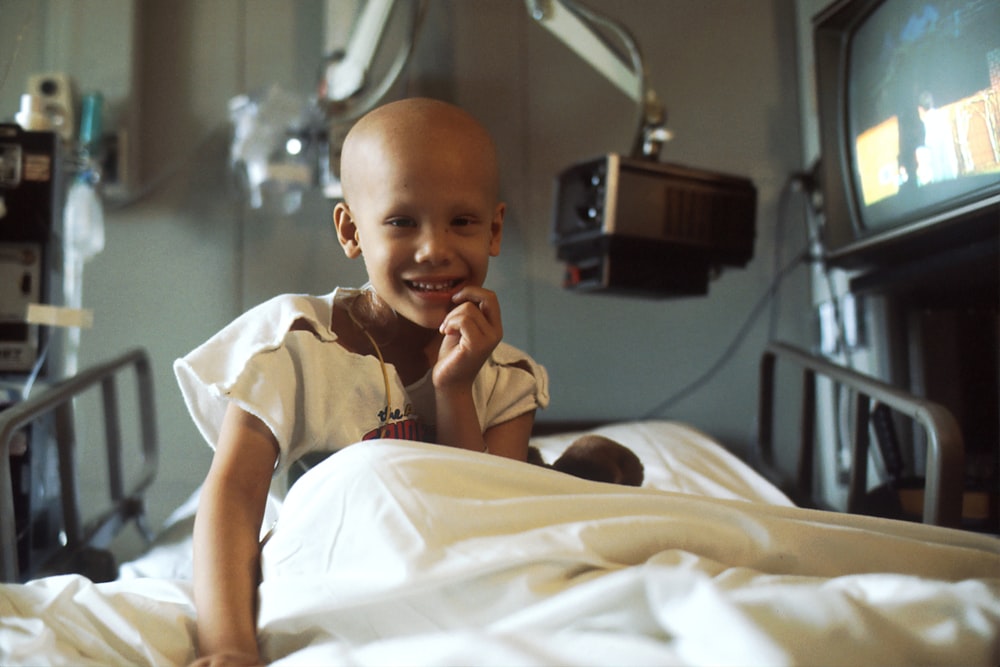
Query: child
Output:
(415,354)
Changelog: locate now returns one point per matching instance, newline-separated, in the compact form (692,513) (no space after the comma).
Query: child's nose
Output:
(433,247)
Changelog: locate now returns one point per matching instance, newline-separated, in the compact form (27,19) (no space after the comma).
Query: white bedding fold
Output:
(415,541)
(69,620)
(395,552)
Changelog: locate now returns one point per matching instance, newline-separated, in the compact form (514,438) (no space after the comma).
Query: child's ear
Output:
(496,229)
(347,230)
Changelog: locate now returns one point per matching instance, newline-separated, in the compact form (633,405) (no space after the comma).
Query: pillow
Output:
(677,457)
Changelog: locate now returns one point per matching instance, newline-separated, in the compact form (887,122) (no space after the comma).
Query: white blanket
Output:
(396,552)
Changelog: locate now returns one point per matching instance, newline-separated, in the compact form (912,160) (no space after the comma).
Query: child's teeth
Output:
(431,287)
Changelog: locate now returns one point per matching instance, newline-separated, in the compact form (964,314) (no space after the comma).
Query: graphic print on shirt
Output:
(402,424)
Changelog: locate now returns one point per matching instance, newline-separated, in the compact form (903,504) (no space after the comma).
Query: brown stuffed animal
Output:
(596,458)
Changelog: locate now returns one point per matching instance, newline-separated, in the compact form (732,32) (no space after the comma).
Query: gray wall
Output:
(188,256)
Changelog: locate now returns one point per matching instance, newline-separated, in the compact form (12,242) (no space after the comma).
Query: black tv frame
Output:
(949,225)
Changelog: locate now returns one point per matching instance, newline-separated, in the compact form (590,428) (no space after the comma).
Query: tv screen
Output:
(923,89)
(909,98)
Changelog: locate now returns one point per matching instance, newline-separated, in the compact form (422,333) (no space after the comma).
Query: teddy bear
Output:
(596,458)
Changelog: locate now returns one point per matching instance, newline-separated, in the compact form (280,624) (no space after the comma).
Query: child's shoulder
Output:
(279,313)
(266,324)
(292,305)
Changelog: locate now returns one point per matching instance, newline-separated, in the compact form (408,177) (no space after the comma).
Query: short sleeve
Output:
(252,363)
(511,385)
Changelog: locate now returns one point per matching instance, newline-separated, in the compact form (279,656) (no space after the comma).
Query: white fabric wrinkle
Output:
(139,622)
(707,627)
(345,498)
(489,649)
(487,561)
(863,619)
(605,601)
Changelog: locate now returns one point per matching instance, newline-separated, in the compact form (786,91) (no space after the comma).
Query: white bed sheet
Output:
(404,553)
(676,457)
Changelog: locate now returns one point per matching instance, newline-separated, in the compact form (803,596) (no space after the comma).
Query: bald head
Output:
(413,127)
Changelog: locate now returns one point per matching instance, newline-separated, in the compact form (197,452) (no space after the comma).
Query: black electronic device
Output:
(35,485)
(638,226)
(31,199)
(30,213)
(908,97)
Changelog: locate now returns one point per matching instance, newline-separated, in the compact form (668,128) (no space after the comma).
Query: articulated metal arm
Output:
(575,25)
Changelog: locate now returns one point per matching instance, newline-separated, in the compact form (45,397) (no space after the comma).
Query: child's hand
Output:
(472,330)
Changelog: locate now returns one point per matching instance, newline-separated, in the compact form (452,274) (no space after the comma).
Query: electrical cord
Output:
(351,109)
(799,182)
(779,242)
(638,63)
(166,173)
(840,395)
(737,340)
(381,361)
(18,39)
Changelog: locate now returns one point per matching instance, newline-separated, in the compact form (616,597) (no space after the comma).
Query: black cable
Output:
(797,182)
(779,238)
(738,339)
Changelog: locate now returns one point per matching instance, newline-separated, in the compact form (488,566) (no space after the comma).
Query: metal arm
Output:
(346,76)
(574,24)
(58,400)
(346,88)
(945,448)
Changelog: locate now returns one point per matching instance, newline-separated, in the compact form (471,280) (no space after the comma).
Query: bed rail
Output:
(945,450)
(57,400)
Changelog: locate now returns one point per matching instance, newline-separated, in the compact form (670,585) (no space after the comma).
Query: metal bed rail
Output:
(58,400)
(945,449)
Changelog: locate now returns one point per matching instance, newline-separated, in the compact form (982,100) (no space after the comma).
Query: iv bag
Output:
(273,154)
(84,221)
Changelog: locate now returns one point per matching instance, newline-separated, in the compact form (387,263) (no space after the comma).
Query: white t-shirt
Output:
(316,396)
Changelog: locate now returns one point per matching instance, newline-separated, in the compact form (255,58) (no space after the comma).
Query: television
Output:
(908,97)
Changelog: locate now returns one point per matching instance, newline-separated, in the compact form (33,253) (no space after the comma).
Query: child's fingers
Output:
(485,300)
(468,321)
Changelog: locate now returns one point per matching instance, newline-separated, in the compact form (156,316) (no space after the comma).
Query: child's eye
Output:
(401,222)
(463,222)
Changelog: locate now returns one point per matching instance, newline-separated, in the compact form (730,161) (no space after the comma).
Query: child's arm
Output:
(510,438)
(226,534)
(472,330)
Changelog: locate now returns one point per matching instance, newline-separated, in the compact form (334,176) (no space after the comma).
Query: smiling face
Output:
(420,205)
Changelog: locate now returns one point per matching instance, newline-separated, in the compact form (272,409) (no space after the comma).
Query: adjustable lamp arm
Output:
(347,72)
(574,25)
(579,36)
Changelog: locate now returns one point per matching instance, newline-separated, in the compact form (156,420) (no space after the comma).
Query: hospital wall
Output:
(187,255)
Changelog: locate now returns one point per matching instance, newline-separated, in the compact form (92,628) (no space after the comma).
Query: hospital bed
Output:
(47,422)
(402,552)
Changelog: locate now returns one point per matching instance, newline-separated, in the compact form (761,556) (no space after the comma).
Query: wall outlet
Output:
(58,101)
